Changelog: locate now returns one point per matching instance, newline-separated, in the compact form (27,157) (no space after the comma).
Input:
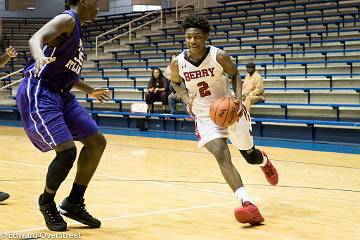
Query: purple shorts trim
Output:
(51,118)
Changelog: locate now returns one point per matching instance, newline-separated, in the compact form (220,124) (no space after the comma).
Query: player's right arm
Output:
(50,33)
(229,67)
(177,81)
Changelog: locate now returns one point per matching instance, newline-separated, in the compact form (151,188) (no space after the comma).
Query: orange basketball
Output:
(223,111)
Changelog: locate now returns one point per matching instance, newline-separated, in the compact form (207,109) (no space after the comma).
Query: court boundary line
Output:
(124,178)
(241,158)
(266,142)
(137,214)
(150,213)
(169,184)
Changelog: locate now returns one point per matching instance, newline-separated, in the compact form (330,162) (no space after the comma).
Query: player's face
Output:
(195,39)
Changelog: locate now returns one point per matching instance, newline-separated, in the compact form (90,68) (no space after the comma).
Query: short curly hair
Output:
(196,21)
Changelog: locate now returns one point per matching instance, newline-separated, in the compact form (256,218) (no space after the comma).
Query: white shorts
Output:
(240,133)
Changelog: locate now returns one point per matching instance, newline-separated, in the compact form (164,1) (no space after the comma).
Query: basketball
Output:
(223,111)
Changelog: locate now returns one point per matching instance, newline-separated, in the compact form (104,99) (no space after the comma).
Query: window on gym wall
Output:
(146,5)
(141,8)
(11,5)
(103,5)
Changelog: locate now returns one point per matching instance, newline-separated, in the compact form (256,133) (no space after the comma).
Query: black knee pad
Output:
(252,156)
(59,168)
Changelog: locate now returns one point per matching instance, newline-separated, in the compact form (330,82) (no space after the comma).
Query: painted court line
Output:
(151,213)
(171,210)
(23,164)
(123,178)
(167,184)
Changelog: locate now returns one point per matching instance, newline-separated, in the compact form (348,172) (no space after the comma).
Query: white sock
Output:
(264,161)
(242,195)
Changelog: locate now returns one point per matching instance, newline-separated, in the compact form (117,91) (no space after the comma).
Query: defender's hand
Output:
(101,94)
(11,52)
(40,63)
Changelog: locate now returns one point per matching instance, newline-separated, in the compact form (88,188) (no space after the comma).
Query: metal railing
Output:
(9,75)
(131,29)
(180,8)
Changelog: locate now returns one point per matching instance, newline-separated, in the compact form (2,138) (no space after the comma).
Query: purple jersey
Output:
(50,113)
(65,71)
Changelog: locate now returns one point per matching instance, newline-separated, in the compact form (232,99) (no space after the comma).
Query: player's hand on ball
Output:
(241,107)
(11,52)
(41,62)
(101,94)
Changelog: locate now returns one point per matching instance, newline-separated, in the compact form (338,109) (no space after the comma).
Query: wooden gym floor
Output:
(147,188)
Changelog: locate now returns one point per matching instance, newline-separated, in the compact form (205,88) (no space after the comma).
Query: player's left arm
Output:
(100,94)
(229,67)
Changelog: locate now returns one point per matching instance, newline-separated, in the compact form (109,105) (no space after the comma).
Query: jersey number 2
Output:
(203,89)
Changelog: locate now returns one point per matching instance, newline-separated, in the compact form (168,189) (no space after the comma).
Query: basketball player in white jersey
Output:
(205,70)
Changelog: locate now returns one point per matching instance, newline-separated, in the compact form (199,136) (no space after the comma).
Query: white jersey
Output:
(207,81)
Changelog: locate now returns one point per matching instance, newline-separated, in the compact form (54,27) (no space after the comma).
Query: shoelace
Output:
(84,211)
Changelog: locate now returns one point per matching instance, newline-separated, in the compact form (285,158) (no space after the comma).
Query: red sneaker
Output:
(270,171)
(249,213)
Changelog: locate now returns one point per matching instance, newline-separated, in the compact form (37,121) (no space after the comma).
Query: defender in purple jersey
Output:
(53,118)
